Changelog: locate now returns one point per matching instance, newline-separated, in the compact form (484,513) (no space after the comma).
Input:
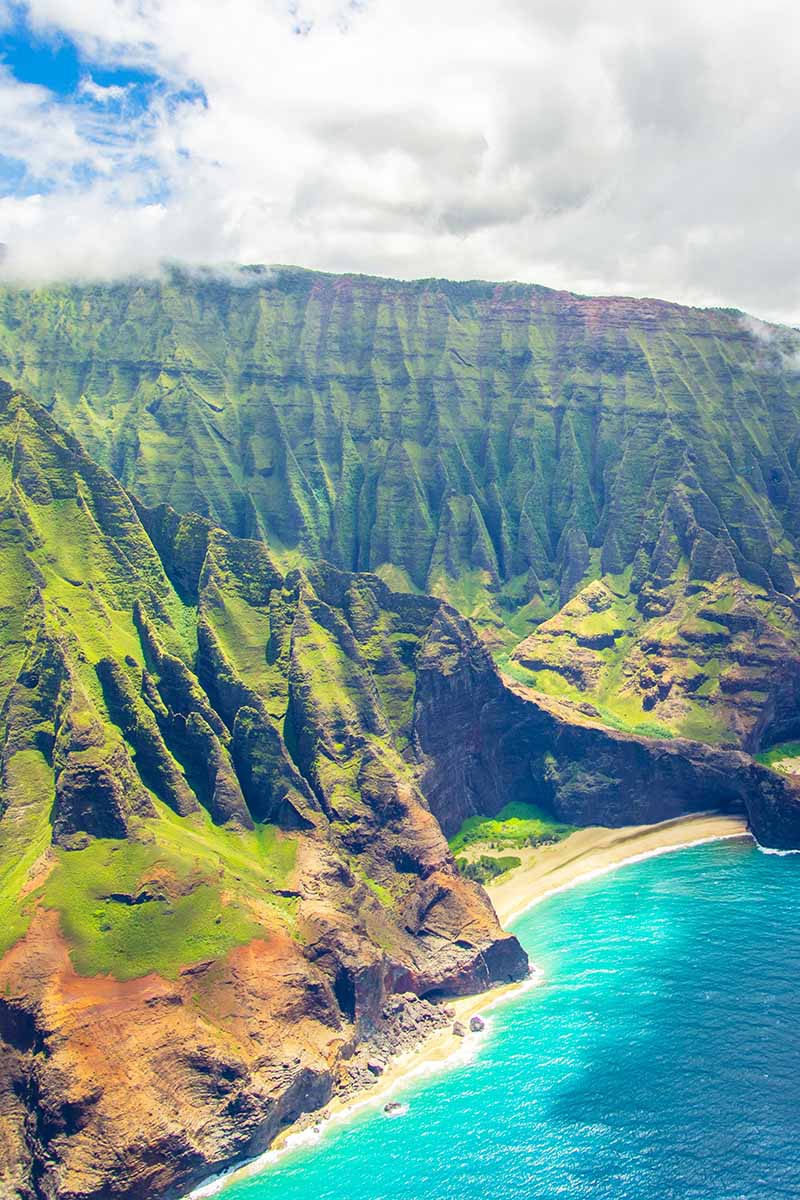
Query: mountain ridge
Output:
(155,827)
(501,446)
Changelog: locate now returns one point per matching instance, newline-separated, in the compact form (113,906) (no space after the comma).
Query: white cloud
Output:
(601,145)
(101,93)
(780,346)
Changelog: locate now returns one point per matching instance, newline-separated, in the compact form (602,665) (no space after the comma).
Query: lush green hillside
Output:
(499,445)
(174,695)
(718,661)
(207,793)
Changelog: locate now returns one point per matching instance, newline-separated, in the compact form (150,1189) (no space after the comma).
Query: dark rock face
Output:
(779,719)
(97,790)
(486,741)
(157,767)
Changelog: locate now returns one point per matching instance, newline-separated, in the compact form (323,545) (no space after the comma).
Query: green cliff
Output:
(201,758)
(498,445)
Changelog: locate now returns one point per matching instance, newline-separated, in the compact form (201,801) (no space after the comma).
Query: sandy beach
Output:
(595,850)
(544,870)
(584,855)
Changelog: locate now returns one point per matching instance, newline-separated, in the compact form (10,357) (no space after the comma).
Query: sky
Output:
(605,146)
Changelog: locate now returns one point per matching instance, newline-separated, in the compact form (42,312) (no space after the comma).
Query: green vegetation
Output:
(500,446)
(127,911)
(628,716)
(488,867)
(191,893)
(516,825)
(25,834)
(783,757)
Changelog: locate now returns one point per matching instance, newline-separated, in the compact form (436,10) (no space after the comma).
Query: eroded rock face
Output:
(122,1089)
(140,1088)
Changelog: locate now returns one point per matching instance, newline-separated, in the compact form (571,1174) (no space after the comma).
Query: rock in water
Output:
(477,1024)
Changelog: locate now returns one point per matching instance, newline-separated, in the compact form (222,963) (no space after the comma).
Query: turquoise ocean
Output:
(659,1059)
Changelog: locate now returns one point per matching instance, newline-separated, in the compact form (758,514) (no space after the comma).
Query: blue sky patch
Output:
(56,62)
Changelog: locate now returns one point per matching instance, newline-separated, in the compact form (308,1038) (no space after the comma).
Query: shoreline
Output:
(440,1048)
(595,850)
(545,870)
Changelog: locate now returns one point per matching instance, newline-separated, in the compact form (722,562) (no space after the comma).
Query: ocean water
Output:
(658,1060)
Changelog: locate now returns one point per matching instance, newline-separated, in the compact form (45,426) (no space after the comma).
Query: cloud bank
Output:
(600,145)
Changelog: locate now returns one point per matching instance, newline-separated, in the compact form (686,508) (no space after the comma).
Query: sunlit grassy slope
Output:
(187,727)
